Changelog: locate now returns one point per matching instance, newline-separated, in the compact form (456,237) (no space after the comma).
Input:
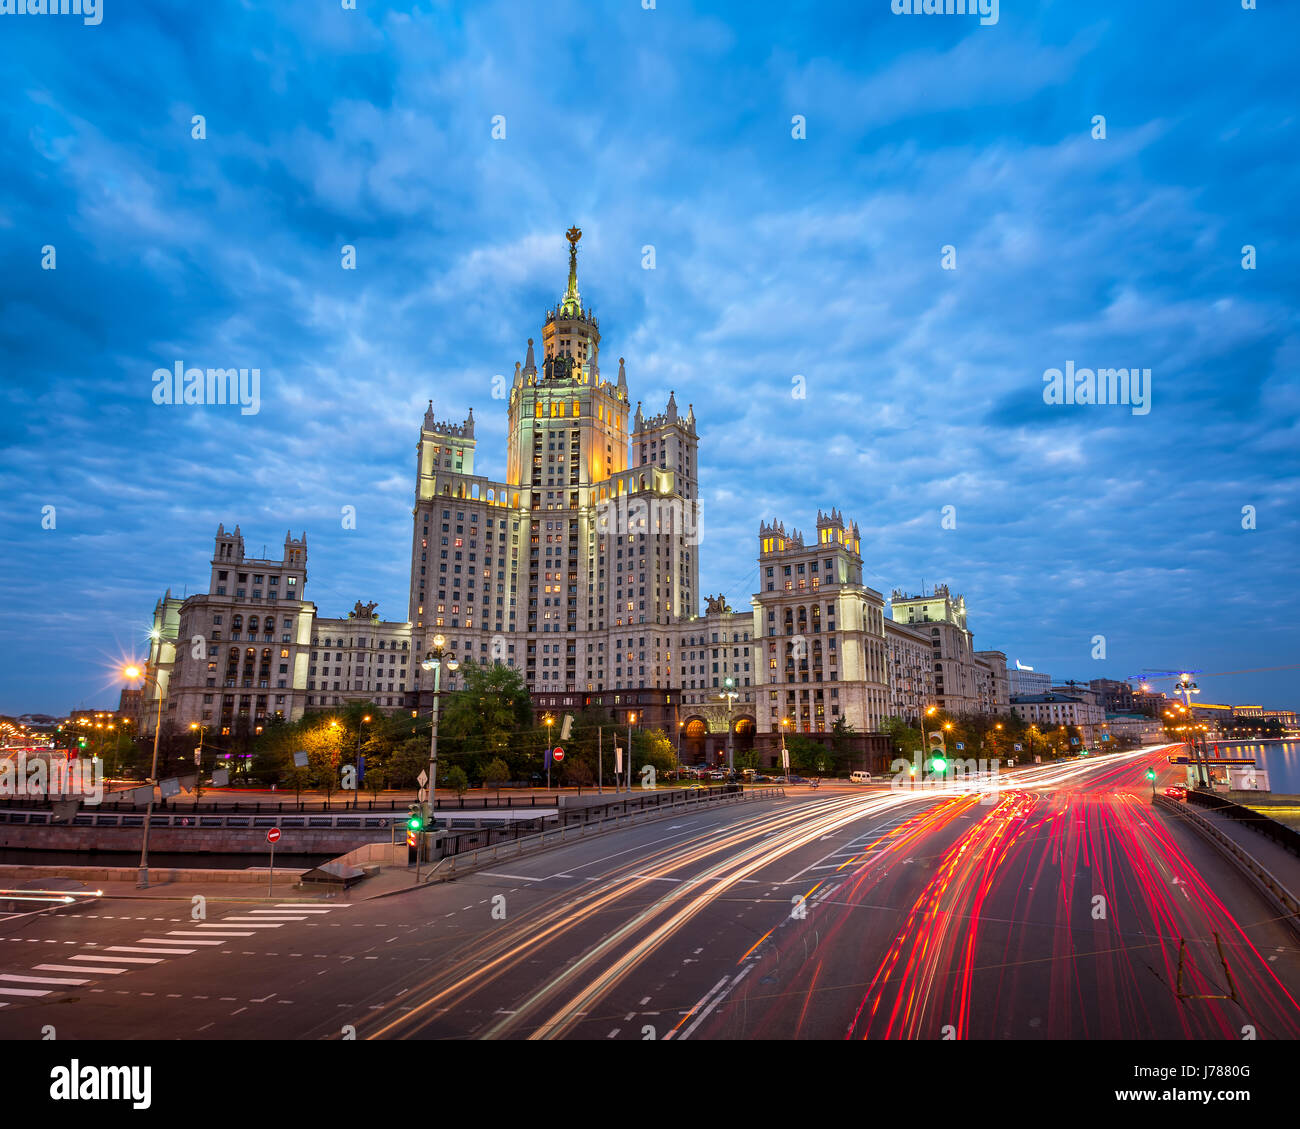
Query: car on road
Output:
(759,778)
(1176,792)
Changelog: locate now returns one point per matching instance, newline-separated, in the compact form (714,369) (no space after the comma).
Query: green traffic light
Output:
(939,764)
(414,823)
(1151,773)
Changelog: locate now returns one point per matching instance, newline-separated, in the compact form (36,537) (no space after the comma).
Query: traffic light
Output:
(938,764)
(1151,773)
(414,825)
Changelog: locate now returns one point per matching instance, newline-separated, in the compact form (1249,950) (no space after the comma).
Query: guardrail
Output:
(1268,883)
(194,820)
(450,866)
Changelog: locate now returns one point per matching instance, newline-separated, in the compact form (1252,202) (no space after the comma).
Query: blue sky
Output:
(775,258)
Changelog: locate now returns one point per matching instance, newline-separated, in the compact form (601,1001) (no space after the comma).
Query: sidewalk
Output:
(389,880)
(1281,863)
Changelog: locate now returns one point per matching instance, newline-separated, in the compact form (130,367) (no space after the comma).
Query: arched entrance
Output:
(694,736)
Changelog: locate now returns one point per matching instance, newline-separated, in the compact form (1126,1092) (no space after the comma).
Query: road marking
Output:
(183,933)
(24,991)
(172,941)
(41,979)
(122,960)
(142,949)
(78,968)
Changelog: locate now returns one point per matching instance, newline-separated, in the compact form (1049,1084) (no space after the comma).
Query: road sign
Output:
(423,778)
(558,754)
(1018,748)
(273,835)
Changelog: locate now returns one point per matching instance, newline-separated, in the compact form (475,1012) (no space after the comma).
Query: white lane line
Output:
(143,949)
(14,978)
(173,941)
(24,991)
(122,960)
(310,909)
(717,1000)
(79,968)
(183,933)
(279,918)
(251,923)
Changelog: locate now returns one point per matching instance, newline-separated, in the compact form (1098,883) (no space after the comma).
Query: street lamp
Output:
(365,720)
(729,692)
(198,758)
(134,673)
(631,720)
(785,754)
(548,721)
(434,661)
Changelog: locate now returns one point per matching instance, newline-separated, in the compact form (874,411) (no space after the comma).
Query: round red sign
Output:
(273,835)
(558,755)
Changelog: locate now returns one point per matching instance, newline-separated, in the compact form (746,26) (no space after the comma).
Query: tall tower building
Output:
(551,569)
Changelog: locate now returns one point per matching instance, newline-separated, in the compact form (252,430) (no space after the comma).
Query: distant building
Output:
(964,682)
(1020,682)
(1115,696)
(1136,727)
(1049,711)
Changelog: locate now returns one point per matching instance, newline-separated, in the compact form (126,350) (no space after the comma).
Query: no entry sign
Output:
(273,835)
(558,754)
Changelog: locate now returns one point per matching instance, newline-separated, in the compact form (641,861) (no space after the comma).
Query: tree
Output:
(493,706)
(455,779)
(652,747)
(496,772)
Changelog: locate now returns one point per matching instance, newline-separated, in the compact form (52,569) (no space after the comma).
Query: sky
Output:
(804,174)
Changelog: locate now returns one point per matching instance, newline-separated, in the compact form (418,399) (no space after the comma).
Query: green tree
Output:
(408,760)
(455,779)
(652,747)
(492,708)
(496,772)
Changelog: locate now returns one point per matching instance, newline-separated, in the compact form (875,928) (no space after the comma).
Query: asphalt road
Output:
(829,914)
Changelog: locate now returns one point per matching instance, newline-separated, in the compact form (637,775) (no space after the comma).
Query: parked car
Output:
(759,778)
(1176,792)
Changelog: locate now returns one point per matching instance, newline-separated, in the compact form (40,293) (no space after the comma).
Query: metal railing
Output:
(450,866)
(1268,883)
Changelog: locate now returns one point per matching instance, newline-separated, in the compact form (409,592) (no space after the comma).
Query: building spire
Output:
(572,304)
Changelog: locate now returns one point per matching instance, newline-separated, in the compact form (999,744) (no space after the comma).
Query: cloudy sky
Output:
(776,257)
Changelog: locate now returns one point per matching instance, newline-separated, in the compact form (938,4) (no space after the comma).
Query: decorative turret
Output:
(622,381)
(530,365)
(672,407)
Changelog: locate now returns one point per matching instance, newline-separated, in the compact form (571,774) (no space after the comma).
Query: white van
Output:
(859,778)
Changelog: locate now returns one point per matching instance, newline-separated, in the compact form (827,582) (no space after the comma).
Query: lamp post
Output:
(1186,687)
(548,721)
(785,754)
(365,720)
(631,720)
(729,692)
(198,760)
(134,673)
(434,661)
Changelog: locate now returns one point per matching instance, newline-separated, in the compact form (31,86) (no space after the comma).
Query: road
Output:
(826,915)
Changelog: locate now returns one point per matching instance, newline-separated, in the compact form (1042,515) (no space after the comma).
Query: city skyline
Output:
(922,387)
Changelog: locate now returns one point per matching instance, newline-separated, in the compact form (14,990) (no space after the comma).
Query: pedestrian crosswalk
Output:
(77,970)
